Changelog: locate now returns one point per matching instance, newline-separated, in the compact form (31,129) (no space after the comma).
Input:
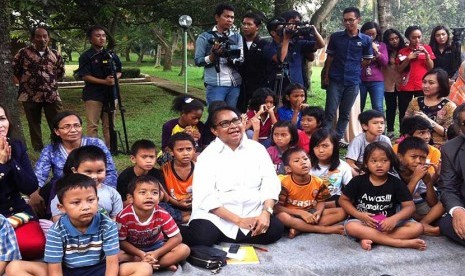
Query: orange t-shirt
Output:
(177,188)
(305,197)
(434,156)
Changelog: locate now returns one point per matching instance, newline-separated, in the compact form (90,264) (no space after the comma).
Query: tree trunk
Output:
(158,56)
(281,6)
(323,12)
(140,56)
(69,53)
(385,15)
(127,53)
(9,93)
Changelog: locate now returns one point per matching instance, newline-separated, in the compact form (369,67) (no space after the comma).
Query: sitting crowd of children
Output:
(379,194)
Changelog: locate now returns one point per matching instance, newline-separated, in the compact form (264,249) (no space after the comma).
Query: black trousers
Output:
(404,98)
(391,107)
(204,232)
(446,228)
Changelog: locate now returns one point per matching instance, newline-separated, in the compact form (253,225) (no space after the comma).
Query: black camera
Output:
(457,34)
(226,49)
(302,30)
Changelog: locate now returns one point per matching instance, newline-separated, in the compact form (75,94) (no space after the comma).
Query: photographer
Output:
(94,69)
(253,70)
(292,41)
(220,51)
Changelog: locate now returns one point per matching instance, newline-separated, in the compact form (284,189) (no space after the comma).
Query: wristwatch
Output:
(269,210)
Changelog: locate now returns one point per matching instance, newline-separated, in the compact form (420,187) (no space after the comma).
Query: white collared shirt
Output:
(239,180)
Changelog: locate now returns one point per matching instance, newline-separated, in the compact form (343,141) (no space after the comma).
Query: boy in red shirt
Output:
(143,224)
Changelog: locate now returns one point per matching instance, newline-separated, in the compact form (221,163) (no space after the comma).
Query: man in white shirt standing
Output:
(235,189)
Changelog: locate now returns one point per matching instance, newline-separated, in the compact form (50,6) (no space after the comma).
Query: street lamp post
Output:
(185,21)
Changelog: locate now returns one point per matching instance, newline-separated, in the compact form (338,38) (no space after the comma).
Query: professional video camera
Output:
(457,34)
(302,29)
(227,49)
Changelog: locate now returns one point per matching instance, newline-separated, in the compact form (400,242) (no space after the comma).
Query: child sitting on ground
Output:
(190,112)
(284,136)
(293,103)
(324,157)
(9,249)
(91,161)
(144,158)
(301,205)
(313,118)
(418,126)
(412,153)
(178,174)
(261,108)
(372,122)
(371,201)
(83,228)
(143,225)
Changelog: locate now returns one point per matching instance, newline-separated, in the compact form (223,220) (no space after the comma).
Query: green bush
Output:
(130,72)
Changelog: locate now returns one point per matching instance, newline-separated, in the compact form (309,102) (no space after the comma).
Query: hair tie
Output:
(188,100)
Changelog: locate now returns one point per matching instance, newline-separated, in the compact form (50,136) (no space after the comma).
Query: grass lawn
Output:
(147,107)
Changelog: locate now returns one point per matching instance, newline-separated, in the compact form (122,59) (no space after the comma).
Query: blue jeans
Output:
(229,94)
(343,97)
(376,90)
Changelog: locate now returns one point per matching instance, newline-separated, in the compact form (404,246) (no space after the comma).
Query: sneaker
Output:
(343,144)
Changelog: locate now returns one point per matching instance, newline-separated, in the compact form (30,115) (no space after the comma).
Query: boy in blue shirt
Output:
(84,241)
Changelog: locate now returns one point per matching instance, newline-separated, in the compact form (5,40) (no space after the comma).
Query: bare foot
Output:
(430,230)
(172,268)
(292,233)
(415,244)
(366,244)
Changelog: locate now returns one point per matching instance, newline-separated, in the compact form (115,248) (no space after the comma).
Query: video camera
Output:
(302,30)
(457,34)
(227,49)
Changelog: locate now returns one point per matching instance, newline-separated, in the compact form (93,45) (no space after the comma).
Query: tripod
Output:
(280,77)
(113,98)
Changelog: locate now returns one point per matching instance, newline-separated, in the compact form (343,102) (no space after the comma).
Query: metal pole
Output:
(185,60)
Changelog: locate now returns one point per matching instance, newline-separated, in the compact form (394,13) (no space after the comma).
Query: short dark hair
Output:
(411,29)
(220,109)
(316,112)
(94,28)
(355,10)
(142,179)
(413,123)
(35,28)
(367,115)
(259,96)
(82,154)
(456,115)
(274,23)
(257,19)
(387,148)
(452,132)
(411,143)
(287,154)
(288,91)
(56,124)
(142,144)
(443,81)
(292,130)
(186,104)
(212,107)
(223,6)
(372,25)
(73,181)
(318,137)
(288,15)
(180,136)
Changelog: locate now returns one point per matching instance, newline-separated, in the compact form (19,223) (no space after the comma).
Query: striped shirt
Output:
(145,235)
(67,245)
(9,249)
